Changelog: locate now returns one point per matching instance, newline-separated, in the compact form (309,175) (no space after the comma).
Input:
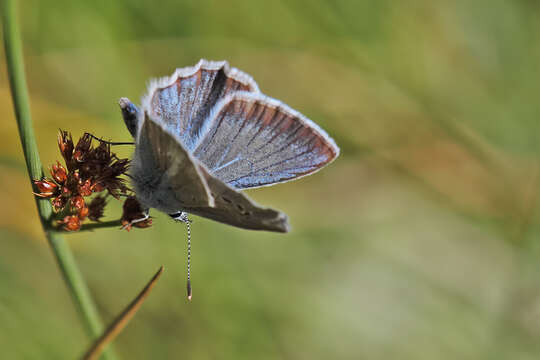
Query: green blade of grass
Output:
(68,267)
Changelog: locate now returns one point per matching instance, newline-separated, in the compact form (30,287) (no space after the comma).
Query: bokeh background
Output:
(419,242)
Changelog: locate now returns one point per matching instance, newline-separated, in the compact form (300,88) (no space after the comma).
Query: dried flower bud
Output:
(96,208)
(131,209)
(65,143)
(85,189)
(66,191)
(133,213)
(77,202)
(46,187)
(59,203)
(83,212)
(71,223)
(59,173)
(102,153)
(98,187)
(83,147)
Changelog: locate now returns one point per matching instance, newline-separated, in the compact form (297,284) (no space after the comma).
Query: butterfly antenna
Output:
(109,142)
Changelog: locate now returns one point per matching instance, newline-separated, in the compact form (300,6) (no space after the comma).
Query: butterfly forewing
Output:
(183,102)
(164,174)
(253,140)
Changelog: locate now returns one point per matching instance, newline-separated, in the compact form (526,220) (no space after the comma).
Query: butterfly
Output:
(207,132)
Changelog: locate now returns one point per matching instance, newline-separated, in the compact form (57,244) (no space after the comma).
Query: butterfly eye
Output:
(131,109)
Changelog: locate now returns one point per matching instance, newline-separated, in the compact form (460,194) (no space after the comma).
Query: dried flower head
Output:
(89,170)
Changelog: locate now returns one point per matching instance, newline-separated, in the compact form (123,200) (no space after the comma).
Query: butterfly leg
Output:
(146,216)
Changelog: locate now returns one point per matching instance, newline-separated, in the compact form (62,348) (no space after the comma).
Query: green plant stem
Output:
(93,226)
(68,267)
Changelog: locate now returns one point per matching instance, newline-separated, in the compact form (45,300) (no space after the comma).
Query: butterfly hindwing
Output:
(253,140)
(236,209)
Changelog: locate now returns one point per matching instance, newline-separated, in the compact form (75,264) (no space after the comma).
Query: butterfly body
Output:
(207,132)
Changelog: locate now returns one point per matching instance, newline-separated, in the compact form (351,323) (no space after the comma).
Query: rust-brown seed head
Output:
(46,187)
(59,173)
(87,170)
(71,223)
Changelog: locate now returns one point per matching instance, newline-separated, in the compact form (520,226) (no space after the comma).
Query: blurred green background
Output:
(419,242)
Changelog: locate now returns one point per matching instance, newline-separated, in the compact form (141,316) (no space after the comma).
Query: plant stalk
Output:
(117,224)
(72,276)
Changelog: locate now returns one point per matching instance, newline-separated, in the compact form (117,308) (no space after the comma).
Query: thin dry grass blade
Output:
(121,321)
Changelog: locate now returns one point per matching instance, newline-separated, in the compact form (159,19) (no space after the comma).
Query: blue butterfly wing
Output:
(166,177)
(183,101)
(252,140)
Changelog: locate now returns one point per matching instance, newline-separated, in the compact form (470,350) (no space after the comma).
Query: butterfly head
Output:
(130,113)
